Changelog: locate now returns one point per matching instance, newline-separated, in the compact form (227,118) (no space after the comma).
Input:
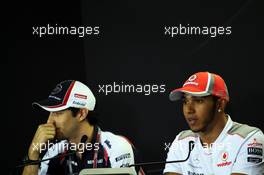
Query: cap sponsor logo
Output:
(191,81)
(54,97)
(79,103)
(57,89)
(80,96)
(192,78)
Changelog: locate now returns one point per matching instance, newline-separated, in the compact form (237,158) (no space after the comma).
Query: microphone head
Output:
(84,138)
(191,145)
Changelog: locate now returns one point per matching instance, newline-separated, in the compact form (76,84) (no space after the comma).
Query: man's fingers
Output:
(50,133)
(44,128)
(47,125)
(49,136)
(43,131)
(49,129)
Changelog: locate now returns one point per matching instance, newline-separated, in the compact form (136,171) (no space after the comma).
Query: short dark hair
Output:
(215,98)
(91,117)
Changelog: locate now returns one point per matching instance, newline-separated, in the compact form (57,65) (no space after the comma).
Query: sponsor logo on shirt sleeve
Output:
(255,151)
(124,156)
(254,159)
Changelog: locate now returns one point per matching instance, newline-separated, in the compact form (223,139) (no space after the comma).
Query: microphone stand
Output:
(191,146)
(35,162)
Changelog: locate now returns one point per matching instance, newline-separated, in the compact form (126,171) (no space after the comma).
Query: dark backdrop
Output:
(130,49)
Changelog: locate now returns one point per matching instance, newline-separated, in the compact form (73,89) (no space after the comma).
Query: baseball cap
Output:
(68,93)
(202,84)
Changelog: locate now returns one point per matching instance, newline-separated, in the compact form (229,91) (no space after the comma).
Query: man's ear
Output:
(221,104)
(82,114)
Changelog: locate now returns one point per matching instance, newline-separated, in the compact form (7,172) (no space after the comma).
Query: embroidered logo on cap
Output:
(57,89)
(80,96)
(79,103)
(191,80)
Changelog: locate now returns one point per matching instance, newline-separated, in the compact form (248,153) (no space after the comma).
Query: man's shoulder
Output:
(184,137)
(114,141)
(186,134)
(118,148)
(243,130)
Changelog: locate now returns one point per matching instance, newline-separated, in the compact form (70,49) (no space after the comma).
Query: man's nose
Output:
(190,107)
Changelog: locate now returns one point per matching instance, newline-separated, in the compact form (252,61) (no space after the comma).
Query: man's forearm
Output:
(31,170)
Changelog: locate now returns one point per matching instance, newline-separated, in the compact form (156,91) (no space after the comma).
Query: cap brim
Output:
(177,94)
(50,105)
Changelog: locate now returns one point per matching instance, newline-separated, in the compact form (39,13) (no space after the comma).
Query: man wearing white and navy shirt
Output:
(71,121)
(221,146)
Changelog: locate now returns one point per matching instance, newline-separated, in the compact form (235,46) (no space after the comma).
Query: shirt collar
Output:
(95,134)
(223,133)
(228,125)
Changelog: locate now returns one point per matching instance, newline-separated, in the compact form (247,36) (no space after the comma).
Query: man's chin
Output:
(198,129)
(195,129)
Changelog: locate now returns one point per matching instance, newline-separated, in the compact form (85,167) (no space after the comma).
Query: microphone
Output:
(191,146)
(35,162)
(84,138)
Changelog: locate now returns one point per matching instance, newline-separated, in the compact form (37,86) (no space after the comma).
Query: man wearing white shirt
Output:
(221,146)
(71,122)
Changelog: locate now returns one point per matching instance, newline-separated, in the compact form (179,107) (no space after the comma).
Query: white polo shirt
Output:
(238,149)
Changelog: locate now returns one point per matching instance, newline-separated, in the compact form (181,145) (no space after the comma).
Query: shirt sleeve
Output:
(250,157)
(121,155)
(173,154)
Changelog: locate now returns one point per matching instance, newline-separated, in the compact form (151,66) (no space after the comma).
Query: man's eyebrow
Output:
(198,97)
(201,97)
(195,97)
